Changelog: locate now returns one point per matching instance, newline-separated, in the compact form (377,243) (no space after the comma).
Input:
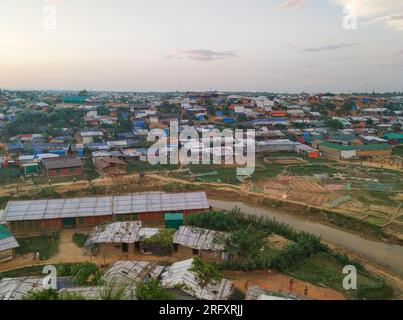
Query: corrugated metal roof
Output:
(118,232)
(101,206)
(131,272)
(258,293)
(8,243)
(61,162)
(16,288)
(90,293)
(179,274)
(202,239)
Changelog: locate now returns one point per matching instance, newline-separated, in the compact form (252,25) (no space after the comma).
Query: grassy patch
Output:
(376,220)
(381,198)
(267,171)
(10,175)
(323,270)
(143,166)
(23,272)
(398,151)
(311,169)
(47,246)
(3,201)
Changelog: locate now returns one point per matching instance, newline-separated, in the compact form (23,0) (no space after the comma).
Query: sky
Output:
(199,45)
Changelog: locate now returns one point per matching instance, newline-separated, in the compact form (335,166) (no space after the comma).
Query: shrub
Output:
(213,220)
(114,291)
(84,274)
(237,294)
(205,272)
(51,294)
(162,238)
(79,239)
(246,244)
(153,290)
(379,292)
(47,246)
(47,193)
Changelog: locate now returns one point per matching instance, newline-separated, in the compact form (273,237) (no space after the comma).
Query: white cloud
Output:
(294,3)
(395,22)
(201,54)
(331,47)
(386,12)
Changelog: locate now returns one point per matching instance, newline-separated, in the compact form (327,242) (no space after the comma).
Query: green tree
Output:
(334,124)
(86,274)
(103,111)
(153,290)
(114,291)
(349,106)
(162,238)
(167,107)
(83,93)
(205,272)
(248,243)
(213,220)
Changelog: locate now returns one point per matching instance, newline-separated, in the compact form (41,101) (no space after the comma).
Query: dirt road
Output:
(277,282)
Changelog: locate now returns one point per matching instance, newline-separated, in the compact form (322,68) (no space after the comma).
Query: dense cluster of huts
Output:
(126,275)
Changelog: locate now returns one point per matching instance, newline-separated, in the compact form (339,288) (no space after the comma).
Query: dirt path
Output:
(277,282)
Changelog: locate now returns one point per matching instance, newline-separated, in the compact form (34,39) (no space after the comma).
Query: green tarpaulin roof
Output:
(393,135)
(74,99)
(4,233)
(173,216)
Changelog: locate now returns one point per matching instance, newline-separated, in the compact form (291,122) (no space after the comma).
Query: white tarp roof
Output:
(105,205)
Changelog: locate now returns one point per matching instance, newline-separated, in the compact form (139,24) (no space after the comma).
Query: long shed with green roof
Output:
(394,137)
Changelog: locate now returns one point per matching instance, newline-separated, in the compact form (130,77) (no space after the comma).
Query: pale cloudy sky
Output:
(256,45)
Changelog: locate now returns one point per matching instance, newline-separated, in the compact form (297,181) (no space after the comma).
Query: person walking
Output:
(306,291)
(291,285)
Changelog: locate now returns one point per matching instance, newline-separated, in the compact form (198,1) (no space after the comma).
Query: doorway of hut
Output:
(125,248)
(69,223)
